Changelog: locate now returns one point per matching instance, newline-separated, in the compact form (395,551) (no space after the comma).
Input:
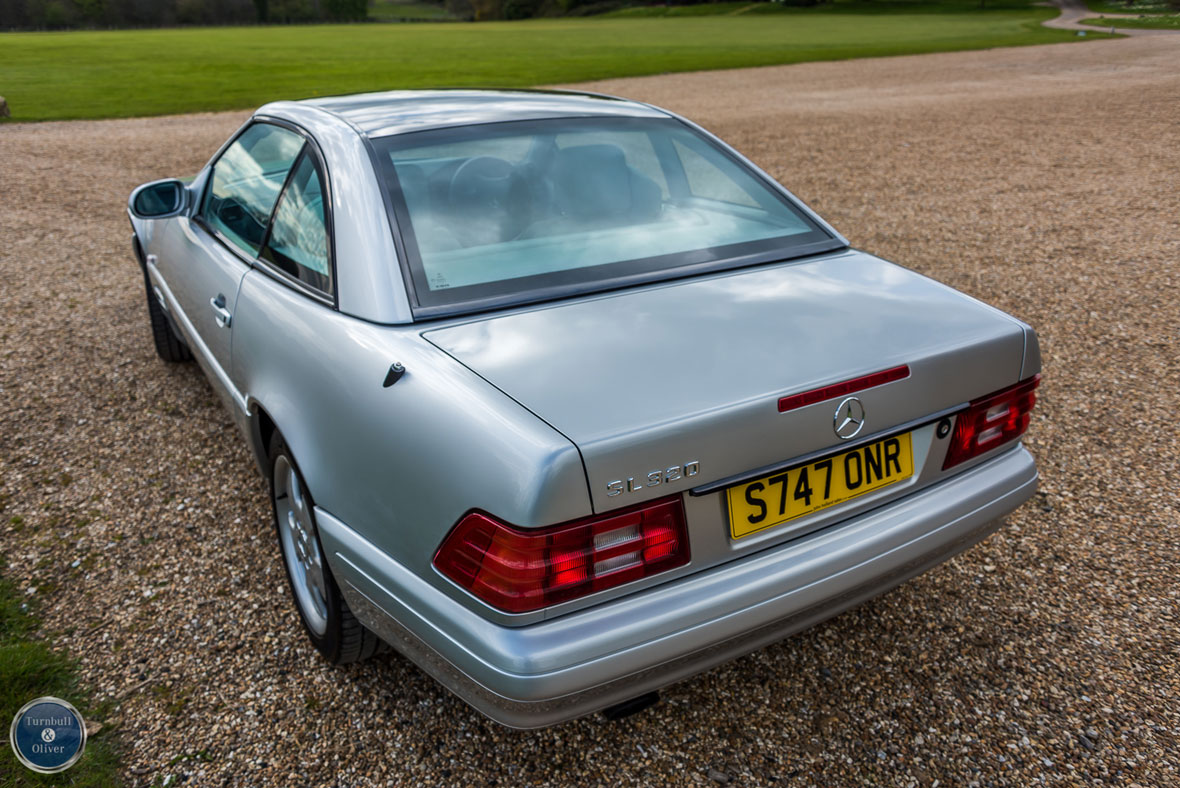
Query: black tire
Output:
(169,347)
(344,639)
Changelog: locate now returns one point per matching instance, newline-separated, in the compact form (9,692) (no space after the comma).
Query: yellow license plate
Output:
(779,497)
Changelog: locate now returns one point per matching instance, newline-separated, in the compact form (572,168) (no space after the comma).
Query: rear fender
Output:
(400,463)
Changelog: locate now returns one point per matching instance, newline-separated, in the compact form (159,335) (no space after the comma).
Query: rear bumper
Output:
(553,671)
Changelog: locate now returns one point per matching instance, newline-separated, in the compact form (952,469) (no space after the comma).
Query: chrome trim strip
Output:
(830,451)
(194,341)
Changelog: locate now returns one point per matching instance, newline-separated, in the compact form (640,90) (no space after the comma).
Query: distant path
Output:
(1073,11)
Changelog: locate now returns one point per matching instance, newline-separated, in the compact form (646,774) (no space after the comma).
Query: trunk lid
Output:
(691,371)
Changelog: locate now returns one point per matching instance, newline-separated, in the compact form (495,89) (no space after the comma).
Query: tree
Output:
(346,10)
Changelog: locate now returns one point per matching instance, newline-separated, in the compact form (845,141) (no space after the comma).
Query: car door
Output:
(204,259)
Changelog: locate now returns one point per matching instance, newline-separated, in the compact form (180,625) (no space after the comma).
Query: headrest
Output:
(592,181)
(413,182)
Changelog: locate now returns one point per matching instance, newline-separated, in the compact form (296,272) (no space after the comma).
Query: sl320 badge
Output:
(653,478)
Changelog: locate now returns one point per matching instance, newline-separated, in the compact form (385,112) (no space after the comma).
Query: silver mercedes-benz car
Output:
(566,400)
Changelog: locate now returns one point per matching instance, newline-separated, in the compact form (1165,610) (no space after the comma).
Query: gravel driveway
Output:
(1042,180)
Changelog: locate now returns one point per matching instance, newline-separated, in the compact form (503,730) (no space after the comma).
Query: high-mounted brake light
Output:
(842,388)
(521,570)
(992,421)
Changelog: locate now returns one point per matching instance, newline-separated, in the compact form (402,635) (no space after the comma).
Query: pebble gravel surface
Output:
(1043,180)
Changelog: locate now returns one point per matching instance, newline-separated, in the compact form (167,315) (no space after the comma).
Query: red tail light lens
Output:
(520,570)
(992,421)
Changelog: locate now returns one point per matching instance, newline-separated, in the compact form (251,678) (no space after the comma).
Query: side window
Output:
(246,181)
(298,242)
(706,180)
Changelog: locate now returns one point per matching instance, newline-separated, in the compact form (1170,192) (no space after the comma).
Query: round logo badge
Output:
(48,735)
(850,418)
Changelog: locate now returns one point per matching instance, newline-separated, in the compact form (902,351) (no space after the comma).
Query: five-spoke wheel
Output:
(301,548)
(330,625)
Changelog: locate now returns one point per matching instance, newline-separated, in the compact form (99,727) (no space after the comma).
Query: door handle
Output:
(220,313)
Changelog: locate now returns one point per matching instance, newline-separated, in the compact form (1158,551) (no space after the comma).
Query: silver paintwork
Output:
(538,415)
(1032,353)
(803,324)
(543,674)
(404,111)
(218,376)
(369,280)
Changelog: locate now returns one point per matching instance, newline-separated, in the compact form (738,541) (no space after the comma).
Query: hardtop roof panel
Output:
(397,112)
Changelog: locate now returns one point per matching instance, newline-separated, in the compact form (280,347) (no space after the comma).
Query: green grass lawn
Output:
(1157,22)
(30,669)
(99,74)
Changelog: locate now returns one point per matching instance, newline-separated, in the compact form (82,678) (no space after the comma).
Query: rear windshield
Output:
(511,212)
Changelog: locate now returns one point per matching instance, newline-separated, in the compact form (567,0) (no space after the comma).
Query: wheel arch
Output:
(263,422)
(137,249)
(261,427)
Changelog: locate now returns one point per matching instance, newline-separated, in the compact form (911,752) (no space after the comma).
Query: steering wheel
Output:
(478,197)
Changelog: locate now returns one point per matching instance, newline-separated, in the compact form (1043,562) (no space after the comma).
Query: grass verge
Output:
(1161,22)
(1132,7)
(833,7)
(102,74)
(30,669)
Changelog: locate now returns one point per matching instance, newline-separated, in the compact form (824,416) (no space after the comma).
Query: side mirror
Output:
(158,199)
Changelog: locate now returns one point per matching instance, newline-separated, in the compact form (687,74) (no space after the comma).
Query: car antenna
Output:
(396,370)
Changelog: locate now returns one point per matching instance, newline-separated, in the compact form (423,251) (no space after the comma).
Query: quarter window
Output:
(246,182)
(715,178)
(298,242)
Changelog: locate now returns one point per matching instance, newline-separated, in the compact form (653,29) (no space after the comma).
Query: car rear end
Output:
(773,428)
(562,668)
(734,503)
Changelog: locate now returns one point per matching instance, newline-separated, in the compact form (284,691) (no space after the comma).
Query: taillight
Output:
(520,570)
(991,421)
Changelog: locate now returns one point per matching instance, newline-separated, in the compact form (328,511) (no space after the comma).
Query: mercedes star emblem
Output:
(850,418)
